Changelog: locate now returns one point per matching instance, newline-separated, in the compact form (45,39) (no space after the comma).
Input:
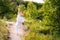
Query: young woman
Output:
(20,20)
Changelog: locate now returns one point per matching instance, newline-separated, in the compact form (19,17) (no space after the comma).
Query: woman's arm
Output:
(27,21)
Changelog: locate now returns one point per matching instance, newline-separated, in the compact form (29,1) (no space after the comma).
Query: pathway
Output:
(13,33)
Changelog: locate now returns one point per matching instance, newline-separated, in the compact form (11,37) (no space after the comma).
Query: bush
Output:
(38,26)
(3,31)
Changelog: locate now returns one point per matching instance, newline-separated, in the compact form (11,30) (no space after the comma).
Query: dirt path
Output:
(13,35)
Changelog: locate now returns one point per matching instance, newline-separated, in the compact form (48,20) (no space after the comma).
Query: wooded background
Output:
(44,18)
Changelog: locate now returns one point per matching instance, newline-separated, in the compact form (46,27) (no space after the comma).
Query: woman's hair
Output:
(20,10)
(22,7)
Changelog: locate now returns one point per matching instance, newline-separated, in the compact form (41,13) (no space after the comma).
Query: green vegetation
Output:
(43,19)
(3,31)
(37,23)
(8,9)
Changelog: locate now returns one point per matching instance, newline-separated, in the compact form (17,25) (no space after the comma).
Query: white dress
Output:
(20,19)
(19,22)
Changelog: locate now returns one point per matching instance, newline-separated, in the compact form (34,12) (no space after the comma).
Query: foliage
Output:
(7,7)
(3,31)
(37,26)
(56,5)
(45,20)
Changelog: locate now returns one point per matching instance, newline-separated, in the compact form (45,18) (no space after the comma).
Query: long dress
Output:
(16,31)
(20,20)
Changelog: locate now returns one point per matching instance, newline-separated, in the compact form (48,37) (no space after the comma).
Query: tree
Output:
(7,7)
(51,15)
(32,10)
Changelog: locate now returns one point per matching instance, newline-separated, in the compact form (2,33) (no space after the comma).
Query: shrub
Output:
(3,31)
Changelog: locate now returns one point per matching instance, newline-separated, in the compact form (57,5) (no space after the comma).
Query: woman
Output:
(20,20)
